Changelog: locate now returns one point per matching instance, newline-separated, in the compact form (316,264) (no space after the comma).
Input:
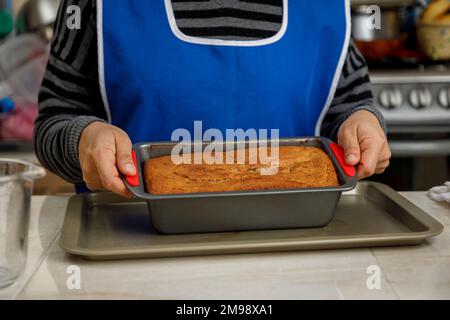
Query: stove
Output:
(414,98)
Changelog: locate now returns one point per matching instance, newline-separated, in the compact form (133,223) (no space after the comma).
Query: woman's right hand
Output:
(104,151)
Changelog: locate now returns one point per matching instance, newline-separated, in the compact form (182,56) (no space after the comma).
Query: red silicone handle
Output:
(340,156)
(133,180)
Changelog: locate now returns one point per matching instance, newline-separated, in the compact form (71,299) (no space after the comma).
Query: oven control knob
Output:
(391,98)
(444,98)
(420,98)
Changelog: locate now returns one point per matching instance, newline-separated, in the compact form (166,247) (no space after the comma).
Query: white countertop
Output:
(406,272)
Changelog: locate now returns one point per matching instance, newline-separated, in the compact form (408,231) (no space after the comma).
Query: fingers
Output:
(362,135)
(90,175)
(383,159)
(93,183)
(385,153)
(375,157)
(103,179)
(109,176)
(123,156)
(369,158)
(381,167)
(102,148)
(348,139)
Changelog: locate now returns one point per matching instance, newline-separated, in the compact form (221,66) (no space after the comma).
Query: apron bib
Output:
(155,80)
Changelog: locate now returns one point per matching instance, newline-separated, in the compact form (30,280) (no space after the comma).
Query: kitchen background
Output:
(409,60)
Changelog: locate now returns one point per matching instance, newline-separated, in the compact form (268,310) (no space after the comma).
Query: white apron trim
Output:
(220,42)
(101,59)
(337,74)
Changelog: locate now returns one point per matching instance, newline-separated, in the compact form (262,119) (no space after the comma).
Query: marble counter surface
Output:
(405,272)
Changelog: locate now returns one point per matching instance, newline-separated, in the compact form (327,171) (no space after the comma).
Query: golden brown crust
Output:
(300,167)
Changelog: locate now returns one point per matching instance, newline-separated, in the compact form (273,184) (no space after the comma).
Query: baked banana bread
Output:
(299,167)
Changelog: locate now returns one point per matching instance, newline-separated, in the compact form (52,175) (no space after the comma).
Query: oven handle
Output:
(408,148)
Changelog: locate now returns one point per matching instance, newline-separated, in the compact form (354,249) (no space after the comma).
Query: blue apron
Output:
(154,81)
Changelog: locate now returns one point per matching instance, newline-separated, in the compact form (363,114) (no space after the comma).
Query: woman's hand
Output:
(364,143)
(104,150)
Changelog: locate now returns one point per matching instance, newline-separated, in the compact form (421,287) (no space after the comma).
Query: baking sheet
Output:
(102,226)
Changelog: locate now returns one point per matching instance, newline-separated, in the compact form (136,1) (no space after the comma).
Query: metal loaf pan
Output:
(242,210)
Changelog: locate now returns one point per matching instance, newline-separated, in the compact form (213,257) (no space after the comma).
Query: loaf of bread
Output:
(299,167)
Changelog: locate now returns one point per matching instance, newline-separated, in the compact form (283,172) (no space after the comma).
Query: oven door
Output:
(420,157)
(416,105)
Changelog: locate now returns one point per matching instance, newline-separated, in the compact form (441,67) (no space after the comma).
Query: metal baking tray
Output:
(102,226)
(242,210)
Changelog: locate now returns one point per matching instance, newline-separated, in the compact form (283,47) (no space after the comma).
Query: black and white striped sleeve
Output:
(69,99)
(353,93)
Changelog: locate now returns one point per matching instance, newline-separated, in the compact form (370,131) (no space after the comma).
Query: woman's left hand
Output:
(365,143)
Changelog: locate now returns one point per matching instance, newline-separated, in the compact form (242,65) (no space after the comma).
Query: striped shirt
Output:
(70,97)
(229,20)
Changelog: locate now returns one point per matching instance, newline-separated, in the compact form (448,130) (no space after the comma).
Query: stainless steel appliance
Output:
(410,99)
(411,91)
(415,101)
(16,184)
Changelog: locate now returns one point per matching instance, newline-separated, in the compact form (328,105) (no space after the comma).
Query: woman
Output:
(137,70)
